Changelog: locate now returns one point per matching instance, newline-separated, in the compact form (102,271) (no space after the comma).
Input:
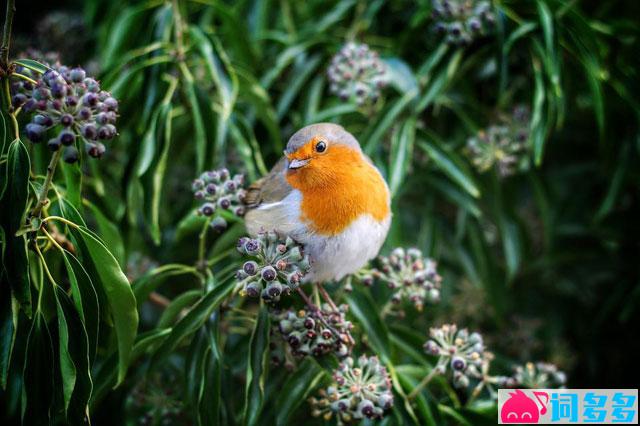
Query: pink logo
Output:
(519,408)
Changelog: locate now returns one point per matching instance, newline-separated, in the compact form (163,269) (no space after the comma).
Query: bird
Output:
(328,196)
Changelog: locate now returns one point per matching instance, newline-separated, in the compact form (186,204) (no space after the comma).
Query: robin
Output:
(326,194)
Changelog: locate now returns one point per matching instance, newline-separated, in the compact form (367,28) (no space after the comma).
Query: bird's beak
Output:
(296,164)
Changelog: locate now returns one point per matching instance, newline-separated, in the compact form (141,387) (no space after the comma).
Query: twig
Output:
(306,299)
(326,297)
(159,300)
(6,34)
(42,198)
(423,383)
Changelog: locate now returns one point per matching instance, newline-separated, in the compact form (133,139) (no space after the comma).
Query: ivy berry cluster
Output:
(276,267)
(69,106)
(217,190)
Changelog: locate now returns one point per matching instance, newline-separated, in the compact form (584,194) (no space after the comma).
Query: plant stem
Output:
(326,297)
(42,198)
(202,244)
(179,30)
(6,34)
(306,299)
(423,383)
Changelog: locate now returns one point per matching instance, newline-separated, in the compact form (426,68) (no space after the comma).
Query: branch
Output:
(6,34)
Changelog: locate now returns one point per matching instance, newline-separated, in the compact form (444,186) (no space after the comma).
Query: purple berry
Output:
(89,131)
(77,75)
(66,120)
(35,132)
(54,144)
(250,267)
(18,100)
(70,154)
(67,138)
(84,113)
(269,273)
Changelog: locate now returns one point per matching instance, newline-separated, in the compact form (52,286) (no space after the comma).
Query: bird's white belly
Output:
(332,257)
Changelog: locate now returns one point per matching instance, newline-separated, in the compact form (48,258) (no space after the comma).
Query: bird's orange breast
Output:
(339,187)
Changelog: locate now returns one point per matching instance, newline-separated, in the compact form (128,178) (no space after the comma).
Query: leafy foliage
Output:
(118,289)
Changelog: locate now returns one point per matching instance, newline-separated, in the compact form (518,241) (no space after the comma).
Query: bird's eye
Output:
(321,146)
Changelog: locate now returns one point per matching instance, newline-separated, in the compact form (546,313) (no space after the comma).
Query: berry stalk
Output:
(51,170)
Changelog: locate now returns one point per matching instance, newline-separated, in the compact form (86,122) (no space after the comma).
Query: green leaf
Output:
(12,217)
(400,75)
(73,183)
(296,389)
(409,383)
(256,368)
(192,321)
(302,71)
(389,117)
(538,128)
(8,328)
(67,367)
(158,174)
(32,65)
(177,305)
(401,154)
(119,295)
(129,21)
(200,137)
(37,380)
(363,308)
(211,395)
(148,145)
(450,166)
(106,375)
(111,234)
(77,345)
(510,244)
(85,299)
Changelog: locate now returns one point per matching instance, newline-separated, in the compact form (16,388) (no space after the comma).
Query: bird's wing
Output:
(272,204)
(270,189)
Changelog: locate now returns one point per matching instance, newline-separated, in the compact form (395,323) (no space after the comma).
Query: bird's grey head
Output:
(328,132)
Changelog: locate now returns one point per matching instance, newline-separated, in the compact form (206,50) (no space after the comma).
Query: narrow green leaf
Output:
(37,380)
(177,305)
(302,72)
(367,313)
(8,327)
(119,295)
(390,116)
(85,299)
(256,368)
(73,183)
(32,65)
(400,75)
(148,145)
(450,166)
(401,154)
(67,367)
(510,244)
(110,233)
(192,321)
(296,389)
(107,374)
(159,173)
(196,115)
(78,351)
(12,217)
(211,396)
(538,129)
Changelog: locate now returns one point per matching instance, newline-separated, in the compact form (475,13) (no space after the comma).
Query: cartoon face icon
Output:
(519,408)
